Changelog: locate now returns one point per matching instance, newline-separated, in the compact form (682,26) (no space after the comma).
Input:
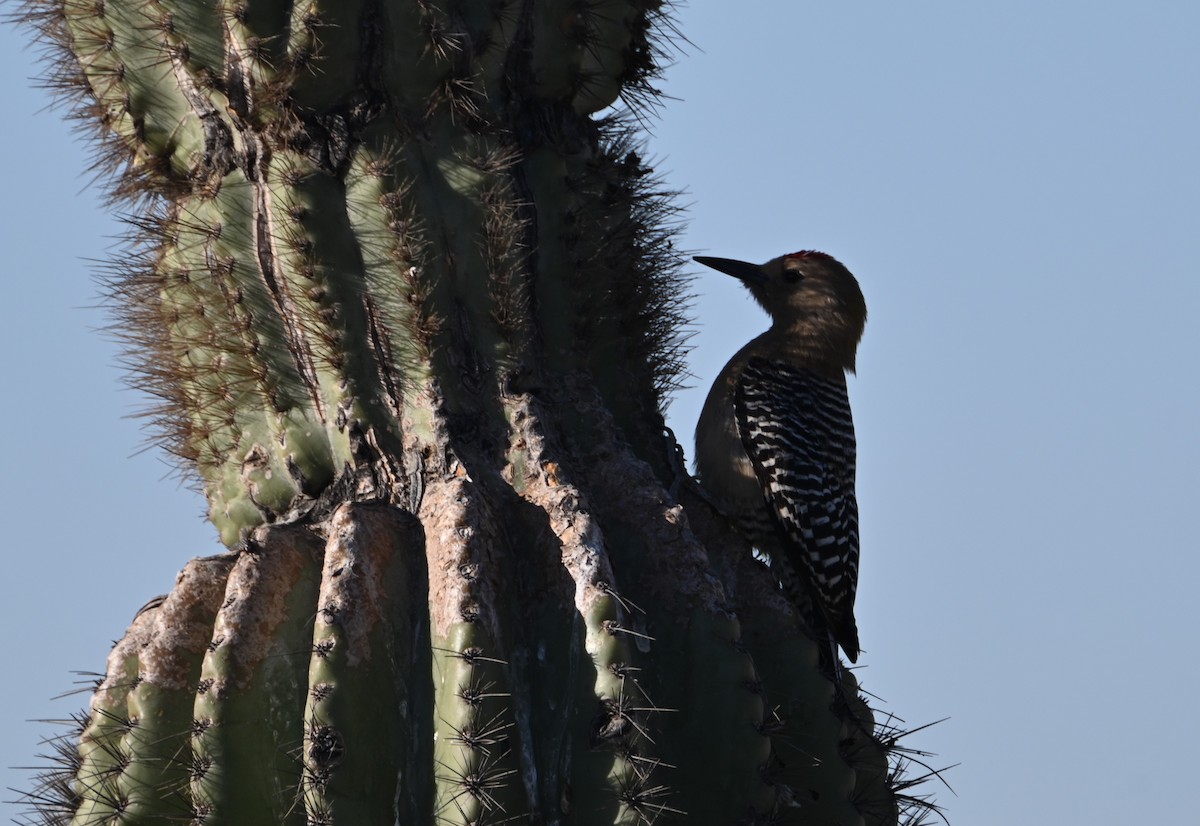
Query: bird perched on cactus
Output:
(775,441)
(408,302)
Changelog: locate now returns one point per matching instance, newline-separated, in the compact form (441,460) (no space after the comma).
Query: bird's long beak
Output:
(747,273)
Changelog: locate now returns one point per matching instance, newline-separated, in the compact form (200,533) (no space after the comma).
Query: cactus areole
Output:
(406,297)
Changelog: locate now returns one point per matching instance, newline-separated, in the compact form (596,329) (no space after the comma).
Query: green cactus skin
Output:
(248,708)
(406,295)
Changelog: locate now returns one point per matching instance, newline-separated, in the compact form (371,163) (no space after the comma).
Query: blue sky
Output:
(1016,186)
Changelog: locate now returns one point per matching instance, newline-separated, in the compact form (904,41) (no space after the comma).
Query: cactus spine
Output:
(407,299)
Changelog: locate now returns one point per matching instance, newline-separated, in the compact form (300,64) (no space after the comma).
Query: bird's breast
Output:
(721,461)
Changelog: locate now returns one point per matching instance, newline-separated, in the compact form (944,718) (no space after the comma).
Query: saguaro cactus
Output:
(406,293)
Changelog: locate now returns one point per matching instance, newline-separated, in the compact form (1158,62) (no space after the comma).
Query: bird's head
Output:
(808,292)
(798,284)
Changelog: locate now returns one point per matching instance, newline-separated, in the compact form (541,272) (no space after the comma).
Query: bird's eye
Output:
(792,276)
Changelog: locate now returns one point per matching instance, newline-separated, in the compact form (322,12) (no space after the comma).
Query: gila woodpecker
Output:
(775,441)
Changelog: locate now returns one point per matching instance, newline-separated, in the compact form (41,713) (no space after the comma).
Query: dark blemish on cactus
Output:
(326,747)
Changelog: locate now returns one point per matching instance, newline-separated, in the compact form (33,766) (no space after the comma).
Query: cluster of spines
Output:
(634,785)
(55,797)
(208,337)
(133,760)
(393,248)
(475,762)
(648,296)
(363,760)
(605,286)
(885,782)
(655,773)
(478,748)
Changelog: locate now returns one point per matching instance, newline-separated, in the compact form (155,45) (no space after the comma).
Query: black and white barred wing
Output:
(798,432)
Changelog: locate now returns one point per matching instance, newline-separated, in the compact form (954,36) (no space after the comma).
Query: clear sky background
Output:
(1017,187)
